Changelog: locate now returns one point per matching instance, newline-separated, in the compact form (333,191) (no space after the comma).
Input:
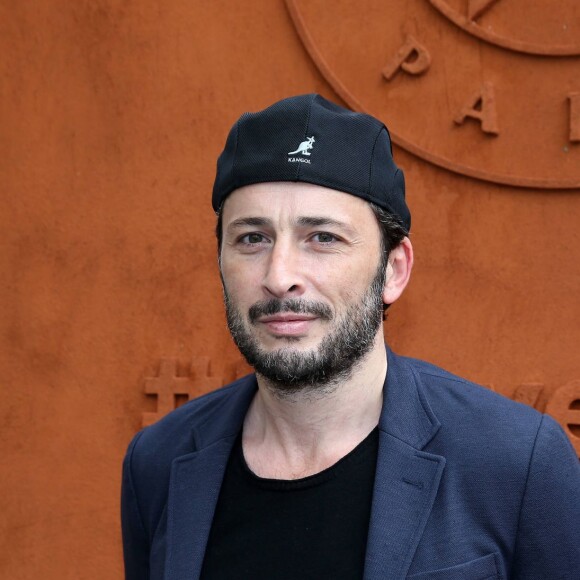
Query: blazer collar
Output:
(406,413)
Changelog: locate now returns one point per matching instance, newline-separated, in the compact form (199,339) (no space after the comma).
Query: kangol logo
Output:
(486,88)
(303,149)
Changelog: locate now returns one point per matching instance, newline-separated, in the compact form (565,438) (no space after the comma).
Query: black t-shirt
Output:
(302,529)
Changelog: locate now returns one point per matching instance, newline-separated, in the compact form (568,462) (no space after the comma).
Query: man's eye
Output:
(324,238)
(252,239)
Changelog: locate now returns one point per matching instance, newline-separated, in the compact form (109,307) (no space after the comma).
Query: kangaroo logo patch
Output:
(303,149)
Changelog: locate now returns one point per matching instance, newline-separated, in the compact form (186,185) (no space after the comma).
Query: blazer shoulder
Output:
(456,393)
(475,418)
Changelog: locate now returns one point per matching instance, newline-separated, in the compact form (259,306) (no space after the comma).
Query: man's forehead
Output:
(294,200)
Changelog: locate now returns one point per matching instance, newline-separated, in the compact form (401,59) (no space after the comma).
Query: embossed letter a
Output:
(481,106)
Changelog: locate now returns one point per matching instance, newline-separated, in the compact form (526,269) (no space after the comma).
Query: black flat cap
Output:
(308,138)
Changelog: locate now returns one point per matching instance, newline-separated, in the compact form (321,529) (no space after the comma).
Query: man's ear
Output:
(398,271)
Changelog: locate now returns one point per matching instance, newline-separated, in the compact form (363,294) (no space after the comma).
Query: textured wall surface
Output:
(112,114)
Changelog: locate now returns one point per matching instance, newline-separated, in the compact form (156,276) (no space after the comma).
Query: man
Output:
(338,458)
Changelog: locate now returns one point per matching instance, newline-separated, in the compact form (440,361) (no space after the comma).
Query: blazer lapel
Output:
(407,478)
(195,484)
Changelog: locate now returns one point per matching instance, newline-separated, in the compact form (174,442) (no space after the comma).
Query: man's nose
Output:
(283,276)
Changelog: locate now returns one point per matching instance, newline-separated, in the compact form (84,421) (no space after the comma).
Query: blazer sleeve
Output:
(548,540)
(135,539)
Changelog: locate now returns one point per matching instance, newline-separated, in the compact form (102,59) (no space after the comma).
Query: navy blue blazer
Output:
(469,485)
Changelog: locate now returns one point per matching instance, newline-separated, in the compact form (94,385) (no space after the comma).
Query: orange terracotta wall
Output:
(112,115)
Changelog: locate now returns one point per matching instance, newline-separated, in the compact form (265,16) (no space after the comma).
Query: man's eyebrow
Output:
(314,221)
(249,221)
(319,221)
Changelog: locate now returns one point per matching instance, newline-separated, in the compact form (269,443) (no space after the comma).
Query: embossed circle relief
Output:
(449,97)
(539,27)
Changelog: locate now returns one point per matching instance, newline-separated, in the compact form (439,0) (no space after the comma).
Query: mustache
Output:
(296,305)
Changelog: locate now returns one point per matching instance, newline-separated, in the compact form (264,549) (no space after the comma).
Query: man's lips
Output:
(286,317)
(287,323)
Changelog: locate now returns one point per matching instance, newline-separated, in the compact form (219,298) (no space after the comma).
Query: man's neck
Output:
(295,436)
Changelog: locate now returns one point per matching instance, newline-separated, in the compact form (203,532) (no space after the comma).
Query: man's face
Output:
(303,274)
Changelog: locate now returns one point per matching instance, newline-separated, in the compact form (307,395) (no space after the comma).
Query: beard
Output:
(320,369)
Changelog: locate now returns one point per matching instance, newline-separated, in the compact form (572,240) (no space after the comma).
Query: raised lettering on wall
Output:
(171,389)
(481,106)
(528,393)
(412,57)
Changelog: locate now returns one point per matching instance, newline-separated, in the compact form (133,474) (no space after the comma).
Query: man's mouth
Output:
(287,323)
(286,317)
(275,310)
